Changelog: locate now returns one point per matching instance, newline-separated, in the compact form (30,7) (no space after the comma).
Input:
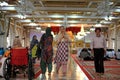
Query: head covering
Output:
(34,37)
(33,42)
(48,31)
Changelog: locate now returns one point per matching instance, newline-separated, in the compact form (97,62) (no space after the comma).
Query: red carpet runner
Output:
(112,69)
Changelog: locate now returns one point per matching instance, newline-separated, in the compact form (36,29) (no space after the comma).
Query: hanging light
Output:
(3,3)
(108,18)
(21,16)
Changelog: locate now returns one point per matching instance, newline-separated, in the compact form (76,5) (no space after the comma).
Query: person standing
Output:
(46,52)
(33,47)
(61,57)
(98,47)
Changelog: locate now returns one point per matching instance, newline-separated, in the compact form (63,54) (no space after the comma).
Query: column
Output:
(115,41)
(6,25)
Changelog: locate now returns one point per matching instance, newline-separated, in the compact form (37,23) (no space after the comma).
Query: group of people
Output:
(45,50)
(98,47)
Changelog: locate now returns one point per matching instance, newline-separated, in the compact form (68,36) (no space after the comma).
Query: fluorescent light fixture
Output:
(58,21)
(73,16)
(38,28)
(27,20)
(88,12)
(21,16)
(116,10)
(111,3)
(98,25)
(73,21)
(110,18)
(20,1)
(56,16)
(107,22)
(33,24)
(3,3)
(107,18)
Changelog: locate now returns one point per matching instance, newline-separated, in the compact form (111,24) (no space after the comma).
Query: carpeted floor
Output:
(112,69)
(37,69)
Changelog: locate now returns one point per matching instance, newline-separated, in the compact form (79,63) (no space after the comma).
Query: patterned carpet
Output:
(112,69)
(20,75)
(37,69)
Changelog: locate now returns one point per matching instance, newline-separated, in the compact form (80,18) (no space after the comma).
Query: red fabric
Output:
(19,56)
(74,29)
(55,29)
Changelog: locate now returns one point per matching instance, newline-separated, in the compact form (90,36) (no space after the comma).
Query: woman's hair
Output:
(97,29)
(62,27)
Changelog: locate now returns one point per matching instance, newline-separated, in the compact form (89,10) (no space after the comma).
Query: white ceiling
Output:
(63,12)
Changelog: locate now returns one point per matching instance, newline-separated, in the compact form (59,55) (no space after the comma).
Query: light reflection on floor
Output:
(74,72)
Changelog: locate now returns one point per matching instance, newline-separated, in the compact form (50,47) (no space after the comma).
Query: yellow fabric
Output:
(34,49)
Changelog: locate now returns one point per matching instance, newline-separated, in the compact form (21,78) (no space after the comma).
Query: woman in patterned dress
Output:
(61,57)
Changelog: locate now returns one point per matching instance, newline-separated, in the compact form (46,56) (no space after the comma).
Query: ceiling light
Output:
(20,1)
(3,3)
(88,12)
(72,21)
(33,24)
(108,18)
(73,16)
(111,3)
(38,28)
(58,21)
(98,25)
(21,16)
(56,16)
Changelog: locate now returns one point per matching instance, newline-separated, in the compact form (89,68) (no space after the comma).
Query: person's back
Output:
(84,54)
(46,52)
(47,49)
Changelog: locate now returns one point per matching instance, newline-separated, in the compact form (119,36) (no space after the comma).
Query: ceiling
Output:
(62,12)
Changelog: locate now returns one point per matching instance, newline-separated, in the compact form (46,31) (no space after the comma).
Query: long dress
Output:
(62,52)
(47,49)
(62,49)
(46,53)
